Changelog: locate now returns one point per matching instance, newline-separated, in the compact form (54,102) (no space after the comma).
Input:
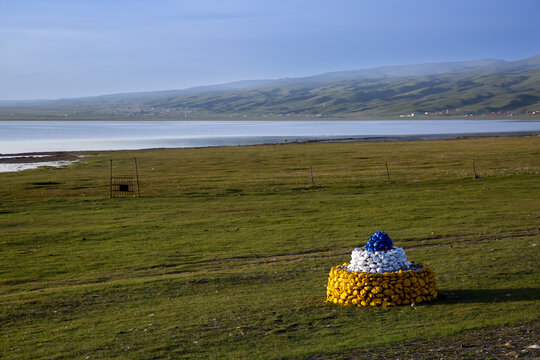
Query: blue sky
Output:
(71,48)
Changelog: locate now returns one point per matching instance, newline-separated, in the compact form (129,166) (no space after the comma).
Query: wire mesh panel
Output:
(123,186)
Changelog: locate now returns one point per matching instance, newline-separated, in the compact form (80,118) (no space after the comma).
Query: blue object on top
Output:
(380,241)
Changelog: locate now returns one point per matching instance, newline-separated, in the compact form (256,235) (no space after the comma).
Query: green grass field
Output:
(227,252)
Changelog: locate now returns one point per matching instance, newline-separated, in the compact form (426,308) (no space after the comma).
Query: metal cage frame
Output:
(124,186)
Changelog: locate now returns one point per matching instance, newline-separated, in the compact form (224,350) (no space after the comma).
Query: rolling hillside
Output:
(471,93)
(455,88)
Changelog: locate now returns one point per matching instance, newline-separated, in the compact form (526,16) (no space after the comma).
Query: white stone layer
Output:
(363,260)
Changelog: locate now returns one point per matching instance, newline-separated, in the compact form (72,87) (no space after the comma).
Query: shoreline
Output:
(37,157)
(70,155)
(259,117)
(435,137)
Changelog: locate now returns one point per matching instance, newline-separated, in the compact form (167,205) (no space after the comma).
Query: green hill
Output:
(477,93)
(476,87)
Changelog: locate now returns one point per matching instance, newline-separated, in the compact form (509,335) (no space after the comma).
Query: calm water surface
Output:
(40,136)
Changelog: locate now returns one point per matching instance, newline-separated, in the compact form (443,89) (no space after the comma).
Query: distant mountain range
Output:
(449,88)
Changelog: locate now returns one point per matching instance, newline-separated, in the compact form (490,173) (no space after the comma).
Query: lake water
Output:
(42,136)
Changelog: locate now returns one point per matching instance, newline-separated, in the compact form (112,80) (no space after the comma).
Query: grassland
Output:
(227,252)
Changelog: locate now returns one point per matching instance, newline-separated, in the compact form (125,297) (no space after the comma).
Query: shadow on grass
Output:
(488,295)
(308,188)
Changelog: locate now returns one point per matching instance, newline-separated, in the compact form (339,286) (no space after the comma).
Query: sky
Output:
(71,48)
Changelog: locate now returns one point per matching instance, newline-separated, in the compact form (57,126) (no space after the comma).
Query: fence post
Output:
(474,170)
(110,180)
(137,176)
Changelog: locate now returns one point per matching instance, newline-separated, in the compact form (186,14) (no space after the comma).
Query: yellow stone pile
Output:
(380,289)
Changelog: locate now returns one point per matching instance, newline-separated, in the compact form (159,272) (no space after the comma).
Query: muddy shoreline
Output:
(30,158)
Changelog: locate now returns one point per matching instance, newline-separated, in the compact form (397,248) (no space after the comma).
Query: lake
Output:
(44,136)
